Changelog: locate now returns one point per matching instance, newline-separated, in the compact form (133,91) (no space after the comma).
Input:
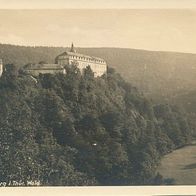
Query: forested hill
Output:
(157,74)
(80,130)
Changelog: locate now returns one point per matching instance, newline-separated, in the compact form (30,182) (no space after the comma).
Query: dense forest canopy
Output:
(75,129)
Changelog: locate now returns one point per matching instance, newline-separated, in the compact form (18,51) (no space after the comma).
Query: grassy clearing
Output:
(180,165)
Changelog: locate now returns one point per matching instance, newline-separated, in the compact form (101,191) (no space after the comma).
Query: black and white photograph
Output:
(98,94)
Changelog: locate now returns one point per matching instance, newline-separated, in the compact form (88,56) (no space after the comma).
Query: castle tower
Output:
(72,48)
(1,67)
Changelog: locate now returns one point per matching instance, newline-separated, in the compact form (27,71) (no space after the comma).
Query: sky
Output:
(149,29)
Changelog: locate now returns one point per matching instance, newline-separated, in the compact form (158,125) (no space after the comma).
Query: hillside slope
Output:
(157,74)
(81,130)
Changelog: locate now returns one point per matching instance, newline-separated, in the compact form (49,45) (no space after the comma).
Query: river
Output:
(180,165)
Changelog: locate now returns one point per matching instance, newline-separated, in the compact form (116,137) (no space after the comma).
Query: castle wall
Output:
(98,67)
(63,61)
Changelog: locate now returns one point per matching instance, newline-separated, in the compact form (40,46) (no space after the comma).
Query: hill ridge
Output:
(158,74)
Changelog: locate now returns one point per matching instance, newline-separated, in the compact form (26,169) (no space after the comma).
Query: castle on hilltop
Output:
(68,58)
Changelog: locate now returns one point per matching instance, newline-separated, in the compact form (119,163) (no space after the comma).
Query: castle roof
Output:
(80,55)
(72,48)
(44,67)
(73,53)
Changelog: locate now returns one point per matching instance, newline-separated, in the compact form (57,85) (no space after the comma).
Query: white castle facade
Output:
(68,58)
